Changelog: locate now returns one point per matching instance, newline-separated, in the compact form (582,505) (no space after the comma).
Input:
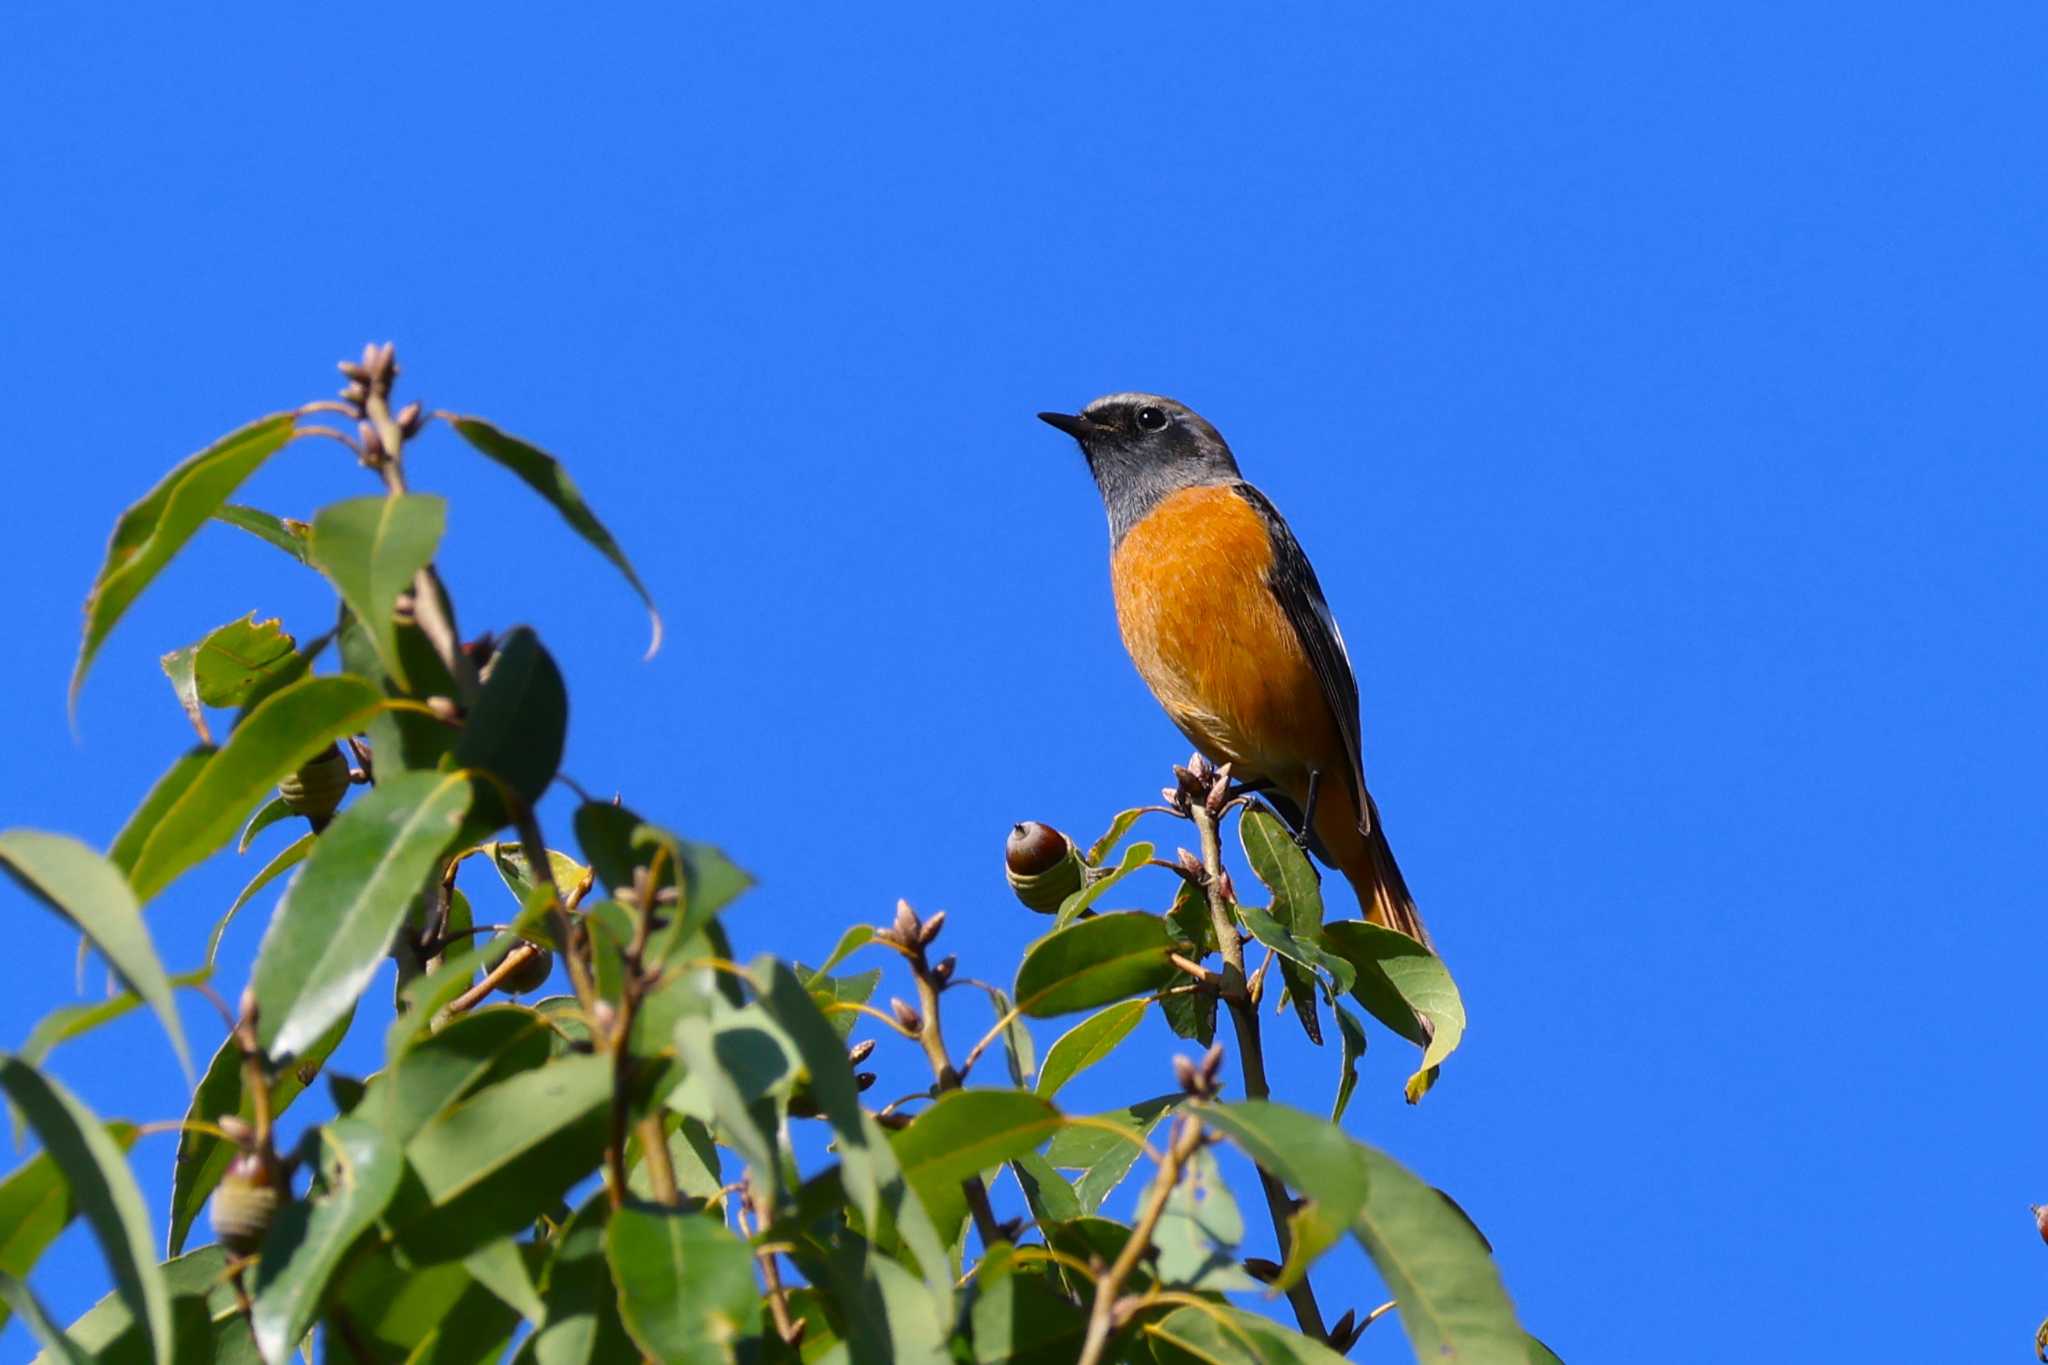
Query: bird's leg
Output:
(1308,810)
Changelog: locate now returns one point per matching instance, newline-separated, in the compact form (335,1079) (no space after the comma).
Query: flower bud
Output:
(907,1016)
(931,929)
(863,1080)
(316,789)
(245,1202)
(943,973)
(1043,866)
(861,1051)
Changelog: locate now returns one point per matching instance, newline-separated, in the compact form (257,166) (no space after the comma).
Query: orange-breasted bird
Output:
(1225,620)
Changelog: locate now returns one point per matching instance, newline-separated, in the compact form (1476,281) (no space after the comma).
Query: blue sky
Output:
(1656,388)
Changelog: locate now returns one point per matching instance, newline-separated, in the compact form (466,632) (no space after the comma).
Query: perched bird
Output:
(1225,620)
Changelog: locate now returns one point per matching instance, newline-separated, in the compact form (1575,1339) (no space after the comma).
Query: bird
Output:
(1222,614)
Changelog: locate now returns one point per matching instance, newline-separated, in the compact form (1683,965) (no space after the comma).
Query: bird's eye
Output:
(1151,419)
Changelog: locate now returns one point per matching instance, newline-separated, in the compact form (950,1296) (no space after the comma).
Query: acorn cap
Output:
(1043,866)
(316,789)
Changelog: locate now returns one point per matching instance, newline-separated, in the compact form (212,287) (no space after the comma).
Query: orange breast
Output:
(1213,643)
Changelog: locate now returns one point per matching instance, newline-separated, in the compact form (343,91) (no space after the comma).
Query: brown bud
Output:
(316,789)
(1261,1269)
(245,1202)
(1043,866)
(906,925)
(351,370)
(1185,1074)
(943,973)
(863,1080)
(931,929)
(1190,867)
(528,974)
(445,710)
(907,1016)
(410,419)
(1346,1332)
(861,1051)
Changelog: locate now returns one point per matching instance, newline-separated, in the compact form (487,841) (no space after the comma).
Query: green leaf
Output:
(619,843)
(1020,1317)
(402,738)
(229,664)
(828,991)
(963,1134)
(1094,961)
(1019,1052)
(856,937)
(510,861)
(1191,919)
(202,1159)
(440,1314)
(1118,827)
(495,1162)
(438,1071)
(500,1266)
(1403,984)
(1105,1154)
(1297,948)
(89,891)
(1452,1303)
(95,1167)
(544,475)
(66,1022)
(686,1285)
(1135,857)
(305,1247)
(517,727)
(874,1181)
(1049,1194)
(1197,1231)
(370,549)
(156,528)
(888,1317)
(270,813)
(1353,1037)
(1088,1042)
(108,1332)
(582,1325)
(741,1068)
(1222,1335)
(1284,868)
(36,1204)
(1311,1154)
(128,843)
(271,742)
(283,861)
(288,536)
(339,915)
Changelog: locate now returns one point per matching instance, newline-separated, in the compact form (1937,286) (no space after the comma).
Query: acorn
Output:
(529,975)
(316,789)
(1043,866)
(245,1202)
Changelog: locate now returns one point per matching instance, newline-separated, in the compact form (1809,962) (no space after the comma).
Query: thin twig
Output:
(1251,1058)
(912,938)
(1102,1317)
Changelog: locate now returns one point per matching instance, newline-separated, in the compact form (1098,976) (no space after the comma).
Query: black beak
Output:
(1076,426)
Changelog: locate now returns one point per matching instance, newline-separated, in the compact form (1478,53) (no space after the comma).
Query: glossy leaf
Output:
(271,742)
(1198,1231)
(281,862)
(829,991)
(1021,1317)
(962,1134)
(888,1315)
(178,667)
(162,796)
(545,475)
(500,1266)
(521,717)
(686,1284)
(741,1068)
(89,891)
(286,535)
(339,915)
(618,842)
(1094,961)
(95,1167)
(493,1163)
(510,861)
(857,936)
(1135,857)
(432,1315)
(202,1159)
(440,1070)
(108,1333)
(1279,862)
(1105,1151)
(36,1203)
(1087,1043)
(582,1325)
(370,549)
(1222,1335)
(274,811)
(156,528)
(231,662)
(1020,1053)
(1352,1035)
(1118,828)
(361,1168)
(1050,1194)
(1403,983)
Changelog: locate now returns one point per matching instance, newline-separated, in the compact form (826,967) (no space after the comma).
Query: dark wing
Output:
(1293,582)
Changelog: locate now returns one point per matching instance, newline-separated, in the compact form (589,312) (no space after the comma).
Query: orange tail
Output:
(1382,893)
